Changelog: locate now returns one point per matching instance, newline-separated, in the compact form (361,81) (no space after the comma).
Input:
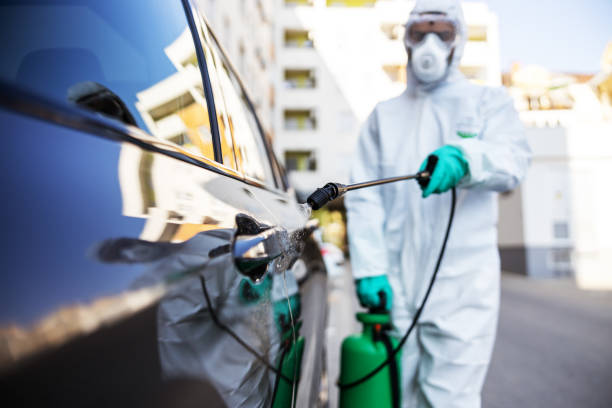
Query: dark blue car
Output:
(152,252)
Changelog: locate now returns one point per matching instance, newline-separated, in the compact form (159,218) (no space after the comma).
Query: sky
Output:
(562,35)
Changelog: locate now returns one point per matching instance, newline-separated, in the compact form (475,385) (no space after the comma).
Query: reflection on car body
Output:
(159,265)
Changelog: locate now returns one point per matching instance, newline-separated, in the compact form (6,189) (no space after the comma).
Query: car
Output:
(153,253)
(333,258)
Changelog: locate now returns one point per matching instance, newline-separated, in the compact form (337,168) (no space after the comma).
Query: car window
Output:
(249,149)
(132,60)
(225,134)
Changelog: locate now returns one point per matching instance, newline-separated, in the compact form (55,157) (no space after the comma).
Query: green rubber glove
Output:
(450,169)
(368,292)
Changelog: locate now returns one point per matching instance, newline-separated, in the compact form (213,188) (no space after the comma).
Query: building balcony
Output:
(299,79)
(477,33)
(299,119)
(298,39)
(351,3)
(300,160)
(296,3)
(396,73)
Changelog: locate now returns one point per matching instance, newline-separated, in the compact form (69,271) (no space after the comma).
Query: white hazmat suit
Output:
(393,231)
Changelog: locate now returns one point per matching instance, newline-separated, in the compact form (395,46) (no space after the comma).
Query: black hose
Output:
(415,320)
(215,319)
(392,354)
(278,378)
(394,377)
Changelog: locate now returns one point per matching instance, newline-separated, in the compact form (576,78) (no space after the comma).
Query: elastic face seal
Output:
(440,25)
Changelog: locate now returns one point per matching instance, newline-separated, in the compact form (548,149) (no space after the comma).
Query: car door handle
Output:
(256,245)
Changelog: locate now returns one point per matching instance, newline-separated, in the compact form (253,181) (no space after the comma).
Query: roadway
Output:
(553,349)
(554,344)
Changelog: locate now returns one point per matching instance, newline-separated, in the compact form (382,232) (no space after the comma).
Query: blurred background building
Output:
(316,68)
(245,28)
(557,223)
(336,60)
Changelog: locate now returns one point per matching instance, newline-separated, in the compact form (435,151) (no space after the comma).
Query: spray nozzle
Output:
(331,191)
(325,194)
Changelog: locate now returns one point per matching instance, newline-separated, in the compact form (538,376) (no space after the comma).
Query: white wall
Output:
(568,182)
(591,167)
(546,193)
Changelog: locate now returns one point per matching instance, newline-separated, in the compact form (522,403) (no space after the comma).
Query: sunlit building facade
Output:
(335,60)
(245,29)
(175,112)
(557,223)
(602,82)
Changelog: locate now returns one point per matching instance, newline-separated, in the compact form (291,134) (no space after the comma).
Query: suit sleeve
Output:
(365,210)
(499,160)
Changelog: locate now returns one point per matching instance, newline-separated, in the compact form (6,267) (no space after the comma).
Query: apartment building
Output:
(335,60)
(245,29)
(557,223)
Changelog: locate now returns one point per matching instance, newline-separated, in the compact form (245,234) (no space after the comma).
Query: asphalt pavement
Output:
(553,349)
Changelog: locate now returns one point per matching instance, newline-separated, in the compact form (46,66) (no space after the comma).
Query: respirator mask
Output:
(430,40)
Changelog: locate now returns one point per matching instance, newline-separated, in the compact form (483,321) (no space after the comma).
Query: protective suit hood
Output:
(452,10)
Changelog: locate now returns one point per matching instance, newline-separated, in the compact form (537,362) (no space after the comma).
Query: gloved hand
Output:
(450,169)
(368,292)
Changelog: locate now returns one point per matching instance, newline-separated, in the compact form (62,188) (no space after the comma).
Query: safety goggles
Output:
(438,24)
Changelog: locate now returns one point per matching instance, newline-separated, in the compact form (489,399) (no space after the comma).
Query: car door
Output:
(123,212)
(256,162)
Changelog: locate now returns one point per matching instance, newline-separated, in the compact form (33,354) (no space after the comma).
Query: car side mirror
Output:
(98,98)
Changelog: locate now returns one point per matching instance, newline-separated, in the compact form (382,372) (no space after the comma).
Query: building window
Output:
(250,152)
(300,160)
(560,259)
(298,39)
(474,73)
(293,3)
(242,63)
(561,230)
(396,73)
(299,78)
(260,58)
(263,15)
(351,3)
(300,119)
(272,96)
(477,33)
(393,31)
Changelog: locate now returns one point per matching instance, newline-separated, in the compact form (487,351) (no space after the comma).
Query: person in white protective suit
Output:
(396,231)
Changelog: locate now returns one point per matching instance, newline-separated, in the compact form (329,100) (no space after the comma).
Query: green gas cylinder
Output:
(360,355)
(289,365)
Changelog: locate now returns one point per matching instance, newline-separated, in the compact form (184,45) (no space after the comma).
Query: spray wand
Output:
(331,191)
